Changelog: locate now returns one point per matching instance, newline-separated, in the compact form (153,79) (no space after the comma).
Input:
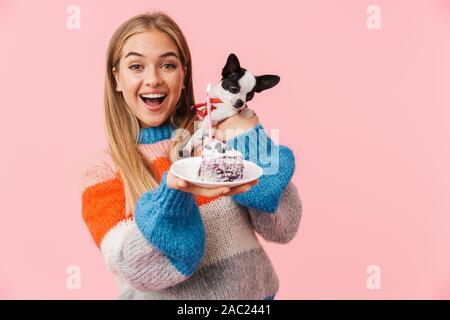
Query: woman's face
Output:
(150,77)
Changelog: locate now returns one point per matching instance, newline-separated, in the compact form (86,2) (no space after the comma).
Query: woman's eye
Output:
(135,67)
(169,66)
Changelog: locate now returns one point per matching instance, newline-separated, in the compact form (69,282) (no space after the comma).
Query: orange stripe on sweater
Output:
(103,207)
(103,204)
(159,166)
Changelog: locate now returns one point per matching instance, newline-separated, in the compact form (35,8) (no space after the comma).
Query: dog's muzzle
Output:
(238,104)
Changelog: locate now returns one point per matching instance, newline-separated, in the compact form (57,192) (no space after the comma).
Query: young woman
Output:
(161,236)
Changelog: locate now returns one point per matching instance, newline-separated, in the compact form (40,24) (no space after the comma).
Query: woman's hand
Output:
(234,126)
(174,182)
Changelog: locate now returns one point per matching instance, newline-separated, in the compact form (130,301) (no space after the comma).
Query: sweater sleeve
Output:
(170,221)
(282,226)
(278,165)
(126,250)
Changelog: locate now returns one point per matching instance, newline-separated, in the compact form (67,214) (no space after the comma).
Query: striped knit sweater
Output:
(179,246)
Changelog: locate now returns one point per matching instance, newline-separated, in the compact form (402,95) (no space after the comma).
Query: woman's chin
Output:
(155,118)
(155,121)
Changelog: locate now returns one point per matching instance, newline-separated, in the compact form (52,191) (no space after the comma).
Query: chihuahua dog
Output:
(232,92)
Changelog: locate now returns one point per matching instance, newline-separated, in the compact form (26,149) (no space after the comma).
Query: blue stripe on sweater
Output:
(170,220)
(155,134)
(278,163)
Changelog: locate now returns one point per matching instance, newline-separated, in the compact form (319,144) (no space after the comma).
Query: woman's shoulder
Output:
(101,168)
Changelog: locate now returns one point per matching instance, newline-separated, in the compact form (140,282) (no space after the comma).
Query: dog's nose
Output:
(239,104)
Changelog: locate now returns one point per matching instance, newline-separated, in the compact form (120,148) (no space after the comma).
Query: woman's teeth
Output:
(153,95)
(153,99)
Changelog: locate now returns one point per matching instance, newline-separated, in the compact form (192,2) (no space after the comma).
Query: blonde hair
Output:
(122,126)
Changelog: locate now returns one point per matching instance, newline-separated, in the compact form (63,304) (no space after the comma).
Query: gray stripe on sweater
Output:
(248,275)
(228,229)
(143,266)
(281,226)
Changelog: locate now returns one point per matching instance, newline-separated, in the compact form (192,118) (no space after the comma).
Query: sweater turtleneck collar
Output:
(154,134)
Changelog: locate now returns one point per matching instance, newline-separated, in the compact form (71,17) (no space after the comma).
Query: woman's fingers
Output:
(207,192)
(180,184)
(222,191)
(242,188)
(174,182)
(204,192)
(237,190)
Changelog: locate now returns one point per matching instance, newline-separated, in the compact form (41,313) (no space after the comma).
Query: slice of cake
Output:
(220,162)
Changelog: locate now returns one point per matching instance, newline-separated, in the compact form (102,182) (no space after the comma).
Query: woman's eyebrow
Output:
(164,55)
(169,54)
(132,53)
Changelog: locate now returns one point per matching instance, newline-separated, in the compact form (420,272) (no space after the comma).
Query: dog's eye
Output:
(249,96)
(234,90)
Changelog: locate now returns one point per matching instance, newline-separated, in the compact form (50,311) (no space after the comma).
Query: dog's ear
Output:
(232,66)
(266,81)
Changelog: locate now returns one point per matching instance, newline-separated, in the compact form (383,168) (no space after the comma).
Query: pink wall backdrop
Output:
(367,113)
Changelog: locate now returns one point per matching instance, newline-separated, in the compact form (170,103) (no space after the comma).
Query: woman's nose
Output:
(152,77)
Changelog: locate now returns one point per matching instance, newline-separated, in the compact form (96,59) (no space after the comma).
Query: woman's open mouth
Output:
(153,101)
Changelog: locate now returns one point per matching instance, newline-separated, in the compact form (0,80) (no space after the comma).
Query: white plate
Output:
(187,169)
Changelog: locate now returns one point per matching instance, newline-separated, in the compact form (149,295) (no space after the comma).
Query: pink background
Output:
(366,112)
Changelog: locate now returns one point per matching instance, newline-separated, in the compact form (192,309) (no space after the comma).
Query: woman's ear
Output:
(116,76)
